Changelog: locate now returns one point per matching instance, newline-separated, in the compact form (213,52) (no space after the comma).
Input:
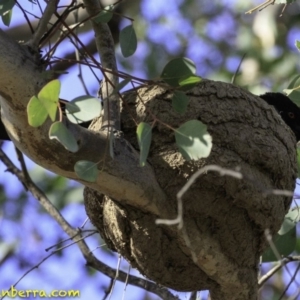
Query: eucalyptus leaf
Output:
(104,15)
(297,43)
(62,134)
(193,140)
(180,102)
(298,162)
(293,90)
(144,136)
(6,5)
(6,17)
(121,85)
(36,112)
(49,96)
(86,170)
(83,109)
(291,219)
(128,41)
(177,70)
(285,245)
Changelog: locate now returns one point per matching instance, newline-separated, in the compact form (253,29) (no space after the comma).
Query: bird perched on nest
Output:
(287,109)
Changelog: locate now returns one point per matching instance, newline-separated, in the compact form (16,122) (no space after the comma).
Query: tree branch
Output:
(43,23)
(21,77)
(75,235)
(106,50)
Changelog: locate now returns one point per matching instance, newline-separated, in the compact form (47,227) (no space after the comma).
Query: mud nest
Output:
(248,135)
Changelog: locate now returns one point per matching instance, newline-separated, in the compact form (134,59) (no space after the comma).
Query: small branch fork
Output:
(222,171)
(76,234)
(105,47)
(264,5)
(43,23)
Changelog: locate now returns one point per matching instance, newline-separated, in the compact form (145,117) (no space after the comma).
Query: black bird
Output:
(288,110)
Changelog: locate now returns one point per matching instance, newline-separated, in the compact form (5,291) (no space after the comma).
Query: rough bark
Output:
(224,217)
(22,75)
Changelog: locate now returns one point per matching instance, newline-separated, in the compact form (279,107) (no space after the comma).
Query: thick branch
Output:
(21,77)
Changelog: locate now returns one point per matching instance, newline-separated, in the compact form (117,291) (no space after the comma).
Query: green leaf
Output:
(297,43)
(293,91)
(6,17)
(128,41)
(36,111)
(104,15)
(121,85)
(295,82)
(83,109)
(180,102)
(61,133)
(298,162)
(290,220)
(49,96)
(285,245)
(193,140)
(5,6)
(86,170)
(71,108)
(190,81)
(144,136)
(178,69)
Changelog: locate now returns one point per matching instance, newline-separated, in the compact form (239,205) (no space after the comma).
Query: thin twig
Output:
(185,188)
(289,284)
(238,69)
(25,16)
(274,270)
(261,6)
(126,282)
(116,277)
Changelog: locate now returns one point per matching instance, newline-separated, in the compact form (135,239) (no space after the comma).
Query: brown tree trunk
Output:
(224,218)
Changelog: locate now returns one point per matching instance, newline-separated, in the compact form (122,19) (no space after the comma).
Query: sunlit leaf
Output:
(190,81)
(293,90)
(86,170)
(193,140)
(49,96)
(177,70)
(36,112)
(128,41)
(297,45)
(83,109)
(144,136)
(61,133)
(290,220)
(180,102)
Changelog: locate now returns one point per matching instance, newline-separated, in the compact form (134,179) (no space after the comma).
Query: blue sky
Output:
(68,271)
